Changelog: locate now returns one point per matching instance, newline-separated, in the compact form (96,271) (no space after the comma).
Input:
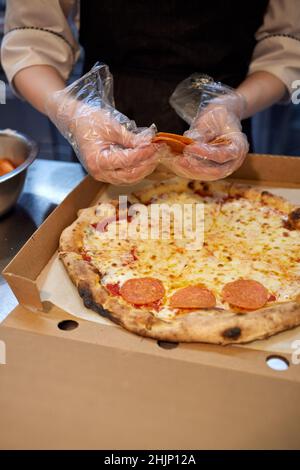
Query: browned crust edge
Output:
(209,326)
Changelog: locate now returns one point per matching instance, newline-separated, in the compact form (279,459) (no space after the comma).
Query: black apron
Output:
(150,46)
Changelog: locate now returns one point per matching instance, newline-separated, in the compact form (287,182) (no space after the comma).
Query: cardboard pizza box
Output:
(104,388)
(71,382)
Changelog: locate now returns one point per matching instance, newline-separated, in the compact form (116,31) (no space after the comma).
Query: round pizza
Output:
(232,276)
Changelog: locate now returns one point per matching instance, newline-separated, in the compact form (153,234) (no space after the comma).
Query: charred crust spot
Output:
(294,218)
(295,215)
(265,197)
(236,196)
(191,185)
(232,333)
(205,186)
(287,225)
(89,302)
(293,221)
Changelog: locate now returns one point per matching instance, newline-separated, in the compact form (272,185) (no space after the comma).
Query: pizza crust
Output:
(216,325)
(210,326)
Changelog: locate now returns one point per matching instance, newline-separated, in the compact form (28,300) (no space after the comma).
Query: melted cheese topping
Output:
(242,239)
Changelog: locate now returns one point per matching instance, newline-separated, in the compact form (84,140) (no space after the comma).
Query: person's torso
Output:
(157,44)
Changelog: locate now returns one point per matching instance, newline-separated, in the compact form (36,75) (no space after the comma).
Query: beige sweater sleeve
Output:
(40,32)
(278,47)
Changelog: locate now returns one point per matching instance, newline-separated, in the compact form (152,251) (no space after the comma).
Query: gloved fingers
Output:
(207,161)
(101,156)
(123,176)
(215,121)
(101,123)
(101,141)
(188,166)
(225,148)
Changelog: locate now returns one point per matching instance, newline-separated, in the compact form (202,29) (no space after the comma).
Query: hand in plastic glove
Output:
(109,145)
(107,149)
(220,147)
(219,141)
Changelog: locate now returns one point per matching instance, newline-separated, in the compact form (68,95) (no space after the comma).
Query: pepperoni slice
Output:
(245,293)
(193,297)
(175,141)
(141,291)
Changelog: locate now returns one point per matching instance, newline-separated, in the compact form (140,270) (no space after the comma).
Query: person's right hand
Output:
(110,146)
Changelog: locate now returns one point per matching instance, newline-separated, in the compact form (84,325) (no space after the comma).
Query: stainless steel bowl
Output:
(21,151)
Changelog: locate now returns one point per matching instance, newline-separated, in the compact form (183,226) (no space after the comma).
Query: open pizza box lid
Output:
(42,286)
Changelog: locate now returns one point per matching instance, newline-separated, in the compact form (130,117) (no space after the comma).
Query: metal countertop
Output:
(47,184)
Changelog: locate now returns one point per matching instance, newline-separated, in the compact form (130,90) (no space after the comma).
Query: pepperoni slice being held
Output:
(175,141)
(245,293)
(193,297)
(143,290)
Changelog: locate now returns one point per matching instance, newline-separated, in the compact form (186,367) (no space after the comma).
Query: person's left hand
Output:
(219,146)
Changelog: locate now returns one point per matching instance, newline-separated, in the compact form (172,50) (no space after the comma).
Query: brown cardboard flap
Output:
(25,290)
(231,357)
(271,168)
(22,271)
(59,391)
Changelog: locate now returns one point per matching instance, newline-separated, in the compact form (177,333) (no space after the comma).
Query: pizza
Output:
(238,283)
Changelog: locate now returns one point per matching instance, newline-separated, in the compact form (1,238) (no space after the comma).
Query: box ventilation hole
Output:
(167,344)
(277,363)
(68,325)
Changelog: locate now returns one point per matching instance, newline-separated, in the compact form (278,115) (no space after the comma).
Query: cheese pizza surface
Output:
(242,239)
(245,257)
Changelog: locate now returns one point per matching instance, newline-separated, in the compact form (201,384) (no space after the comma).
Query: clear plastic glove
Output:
(219,146)
(110,146)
